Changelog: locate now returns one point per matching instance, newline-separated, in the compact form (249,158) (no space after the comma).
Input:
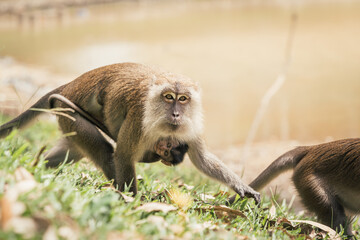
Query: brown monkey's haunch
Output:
(327,178)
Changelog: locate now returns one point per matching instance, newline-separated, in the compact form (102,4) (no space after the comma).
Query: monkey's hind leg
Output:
(62,151)
(90,143)
(322,201)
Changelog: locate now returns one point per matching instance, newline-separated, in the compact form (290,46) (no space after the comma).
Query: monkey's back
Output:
(337,165)
(334,158)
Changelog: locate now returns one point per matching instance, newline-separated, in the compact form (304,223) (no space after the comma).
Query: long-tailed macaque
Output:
(140,107)
(327,177)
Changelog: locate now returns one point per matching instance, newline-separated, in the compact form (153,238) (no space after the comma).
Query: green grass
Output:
(74,202)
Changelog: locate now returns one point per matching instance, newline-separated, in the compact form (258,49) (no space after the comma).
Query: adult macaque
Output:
(140,107)
(327,177)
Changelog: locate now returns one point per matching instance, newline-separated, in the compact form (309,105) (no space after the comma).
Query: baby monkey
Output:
(327,178)
(171,152)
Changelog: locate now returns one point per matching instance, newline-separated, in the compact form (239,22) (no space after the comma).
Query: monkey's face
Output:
(175,105)
(173,109)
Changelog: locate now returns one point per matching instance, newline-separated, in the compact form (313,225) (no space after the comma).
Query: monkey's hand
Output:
(246,191)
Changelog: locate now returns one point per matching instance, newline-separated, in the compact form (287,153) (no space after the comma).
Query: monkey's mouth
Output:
(173,126)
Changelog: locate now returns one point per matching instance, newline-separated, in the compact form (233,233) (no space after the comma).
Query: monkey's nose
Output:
(176,115)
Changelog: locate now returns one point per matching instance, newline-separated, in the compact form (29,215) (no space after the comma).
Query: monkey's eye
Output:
(169,96)
(183,98)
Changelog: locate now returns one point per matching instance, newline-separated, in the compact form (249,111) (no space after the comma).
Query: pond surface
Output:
(234,50)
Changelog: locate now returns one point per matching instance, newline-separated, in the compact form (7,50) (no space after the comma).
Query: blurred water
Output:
(234,50)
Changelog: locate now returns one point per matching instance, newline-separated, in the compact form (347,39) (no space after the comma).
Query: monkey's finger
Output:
(255,195)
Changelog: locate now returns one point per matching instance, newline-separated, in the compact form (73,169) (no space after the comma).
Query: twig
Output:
(274,88)
(57,111)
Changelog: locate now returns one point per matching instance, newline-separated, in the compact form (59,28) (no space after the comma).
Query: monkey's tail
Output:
(26,117)
(285,162)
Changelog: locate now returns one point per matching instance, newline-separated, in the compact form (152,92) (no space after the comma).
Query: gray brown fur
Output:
(127,99)
(327,177)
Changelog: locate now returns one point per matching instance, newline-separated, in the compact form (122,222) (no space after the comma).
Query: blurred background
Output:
(234,48)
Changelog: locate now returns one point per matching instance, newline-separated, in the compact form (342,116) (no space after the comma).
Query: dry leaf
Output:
(157,220)
(232,213)
(209,225)
(331,232)
(25,180)
(177,229)
(224,212)
(68,232)
(22,174)
(6,213)
(126,198)
(180,199)
(272,212)
(123,235)
(50,234)
(23,225)
(187,187)
(10,207)
(205,197)
(25,186)
(157,207)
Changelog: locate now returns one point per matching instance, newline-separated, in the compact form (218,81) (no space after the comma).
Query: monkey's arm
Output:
(150,157)
(209,164)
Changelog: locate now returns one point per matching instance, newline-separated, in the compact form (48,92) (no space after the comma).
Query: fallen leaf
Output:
(177,229)
(157,207)
(25,180)
(126,198)
(115,235)
(205,197)
(187,187)
(272,212)
(157,220)
(6,213)
(22,174)
(232,213)
(25,186)
(68,233)
(50,234)
(285,222)
(180,199)
(331,232)
(224,212)
(23,225)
